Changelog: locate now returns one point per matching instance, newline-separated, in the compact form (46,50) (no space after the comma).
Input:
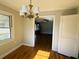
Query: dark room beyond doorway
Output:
(43,33)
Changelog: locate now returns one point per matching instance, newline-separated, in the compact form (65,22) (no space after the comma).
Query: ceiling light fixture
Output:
(29,11)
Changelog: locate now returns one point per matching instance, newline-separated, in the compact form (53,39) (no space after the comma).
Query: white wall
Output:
(29,32)
(68,33)
(55,36)
(7,45)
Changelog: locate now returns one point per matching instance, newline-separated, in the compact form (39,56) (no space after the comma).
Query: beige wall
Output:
(77,33)
(29,32)
(18,31)
(78,30)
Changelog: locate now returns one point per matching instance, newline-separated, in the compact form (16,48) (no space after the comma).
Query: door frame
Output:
(53,29)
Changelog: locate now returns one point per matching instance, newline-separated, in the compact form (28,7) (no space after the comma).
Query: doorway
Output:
(43,33)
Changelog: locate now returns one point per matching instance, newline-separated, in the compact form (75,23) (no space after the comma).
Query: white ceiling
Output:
(45,5)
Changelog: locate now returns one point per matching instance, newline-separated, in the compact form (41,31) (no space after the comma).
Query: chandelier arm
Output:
(30,14)
(30,6)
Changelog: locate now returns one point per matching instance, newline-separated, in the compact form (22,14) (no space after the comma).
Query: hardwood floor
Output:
(43,42)
(42,50)
(25,52)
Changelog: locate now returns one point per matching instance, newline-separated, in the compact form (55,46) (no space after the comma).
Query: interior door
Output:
(67,35)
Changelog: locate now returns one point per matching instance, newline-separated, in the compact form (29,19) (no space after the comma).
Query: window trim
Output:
(2,42)
(10,25)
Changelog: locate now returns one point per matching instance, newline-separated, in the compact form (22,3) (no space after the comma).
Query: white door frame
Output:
(53,31)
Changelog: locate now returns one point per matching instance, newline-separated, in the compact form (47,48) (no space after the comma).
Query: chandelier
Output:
(29,11)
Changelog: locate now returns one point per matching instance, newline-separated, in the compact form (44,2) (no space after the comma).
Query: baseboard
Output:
(10,51)
(28,45)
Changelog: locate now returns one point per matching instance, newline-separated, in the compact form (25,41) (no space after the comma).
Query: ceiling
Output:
(44,5)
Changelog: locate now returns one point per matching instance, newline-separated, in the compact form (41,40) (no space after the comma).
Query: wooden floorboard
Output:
(25,52)
(42,50)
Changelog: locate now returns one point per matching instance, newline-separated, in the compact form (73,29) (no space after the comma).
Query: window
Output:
(5,27)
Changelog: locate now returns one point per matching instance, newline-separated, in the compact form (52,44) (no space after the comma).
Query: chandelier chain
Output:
(30,1)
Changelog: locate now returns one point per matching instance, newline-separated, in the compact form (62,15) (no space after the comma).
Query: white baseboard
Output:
(10,51)
(28,45)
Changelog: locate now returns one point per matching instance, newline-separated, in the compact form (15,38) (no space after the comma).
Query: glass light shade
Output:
(24,9)
(21,13)
(36,10)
